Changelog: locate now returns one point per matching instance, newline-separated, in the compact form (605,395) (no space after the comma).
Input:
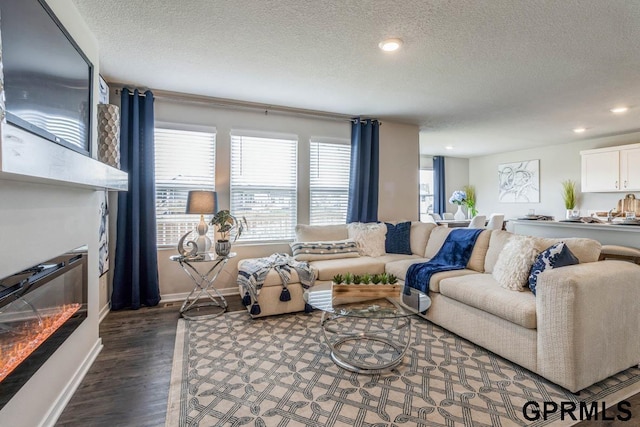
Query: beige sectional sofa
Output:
(580,328)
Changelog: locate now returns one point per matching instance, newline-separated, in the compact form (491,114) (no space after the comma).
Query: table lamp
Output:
(203,203)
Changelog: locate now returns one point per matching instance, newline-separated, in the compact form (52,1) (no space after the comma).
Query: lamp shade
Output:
(202,202)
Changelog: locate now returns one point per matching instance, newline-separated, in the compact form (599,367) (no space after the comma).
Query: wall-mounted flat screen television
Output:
(47,78)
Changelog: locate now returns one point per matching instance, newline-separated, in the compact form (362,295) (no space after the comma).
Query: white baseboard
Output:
(183,295)
(72,386)
(103,312)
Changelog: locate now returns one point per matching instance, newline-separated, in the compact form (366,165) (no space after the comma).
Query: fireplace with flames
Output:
(40,307)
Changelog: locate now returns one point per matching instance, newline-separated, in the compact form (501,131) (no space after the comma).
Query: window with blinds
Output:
(329,182)
(264,186)
(184,160)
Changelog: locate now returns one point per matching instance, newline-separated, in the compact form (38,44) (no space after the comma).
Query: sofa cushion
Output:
(330,267)
(436,240)
(586,250)
(514,263)
(387,258)
(483,292)
(399,267)
(558,255)
(313,251)
(476,261)
(397,240)
(319,233)
(420,232)
(498,239)
(370,237)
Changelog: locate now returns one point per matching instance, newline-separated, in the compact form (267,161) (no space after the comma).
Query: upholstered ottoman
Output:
(269,296)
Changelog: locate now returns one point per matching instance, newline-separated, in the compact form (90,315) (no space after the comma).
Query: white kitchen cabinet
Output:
(611,169)
(630,169)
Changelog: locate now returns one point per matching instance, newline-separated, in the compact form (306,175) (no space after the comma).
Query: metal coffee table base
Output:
(394,350)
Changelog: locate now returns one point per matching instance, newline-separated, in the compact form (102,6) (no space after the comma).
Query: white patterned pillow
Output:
(514,263)
(370,237)
(314,251)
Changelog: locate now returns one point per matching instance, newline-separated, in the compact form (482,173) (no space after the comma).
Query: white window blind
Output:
(329,182)
(184,160)
(264,186)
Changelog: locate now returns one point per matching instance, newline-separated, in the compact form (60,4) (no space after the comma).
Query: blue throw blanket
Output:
(453,255)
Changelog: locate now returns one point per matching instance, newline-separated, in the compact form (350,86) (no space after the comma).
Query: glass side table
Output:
(203,286)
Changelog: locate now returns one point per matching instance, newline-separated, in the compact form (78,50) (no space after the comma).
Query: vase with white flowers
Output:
(459,198)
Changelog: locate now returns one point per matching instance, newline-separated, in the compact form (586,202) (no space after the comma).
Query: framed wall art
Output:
(519,182)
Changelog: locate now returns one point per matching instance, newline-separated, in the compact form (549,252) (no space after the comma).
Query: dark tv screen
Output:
(47,78)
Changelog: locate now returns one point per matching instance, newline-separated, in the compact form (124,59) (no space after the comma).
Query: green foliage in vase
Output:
(471,199)
(357,279)
(225,224)
(392,279)
(348,278)
(338,279)
(569,193)
(384,278)
(375,279)
(366,278)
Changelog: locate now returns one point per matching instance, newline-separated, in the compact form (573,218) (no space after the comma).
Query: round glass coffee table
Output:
(367,335)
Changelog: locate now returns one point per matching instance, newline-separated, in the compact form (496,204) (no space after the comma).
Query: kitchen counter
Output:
(606,233)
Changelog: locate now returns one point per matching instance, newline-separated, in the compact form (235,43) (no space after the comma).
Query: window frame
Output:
(293,138)
(181,127)
(333,141)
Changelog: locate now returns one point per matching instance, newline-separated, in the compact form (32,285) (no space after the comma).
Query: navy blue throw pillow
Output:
(558,255)
(398,238)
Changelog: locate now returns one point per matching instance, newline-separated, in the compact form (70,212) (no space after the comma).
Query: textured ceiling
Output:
(482,75)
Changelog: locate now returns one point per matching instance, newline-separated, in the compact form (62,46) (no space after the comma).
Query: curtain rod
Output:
(238,105)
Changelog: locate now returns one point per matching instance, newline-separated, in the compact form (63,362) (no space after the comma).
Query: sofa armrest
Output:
(588,318)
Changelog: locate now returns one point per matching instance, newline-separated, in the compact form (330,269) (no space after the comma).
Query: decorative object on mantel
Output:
(459,198)
(570,199)
(470,191)
(193,246)
(202,202)
(109,134)
(226,224)
(519,182)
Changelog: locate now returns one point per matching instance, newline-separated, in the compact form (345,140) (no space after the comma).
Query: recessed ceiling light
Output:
(390,45)
(579,130)
(619,110)
(449,147)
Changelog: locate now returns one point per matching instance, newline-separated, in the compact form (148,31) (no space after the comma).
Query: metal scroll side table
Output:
(367,335)
(203,286)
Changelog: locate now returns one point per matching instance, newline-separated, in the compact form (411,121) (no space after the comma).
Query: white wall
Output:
(398,196)
(398,184)
(456,176)
(557,163)
(38,222)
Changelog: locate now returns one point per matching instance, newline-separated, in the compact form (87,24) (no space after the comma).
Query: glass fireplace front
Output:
(39,308)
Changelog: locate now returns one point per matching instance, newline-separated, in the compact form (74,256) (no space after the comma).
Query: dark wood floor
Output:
(128,385)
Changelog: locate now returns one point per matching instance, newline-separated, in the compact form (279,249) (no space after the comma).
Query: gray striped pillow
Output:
(315,251)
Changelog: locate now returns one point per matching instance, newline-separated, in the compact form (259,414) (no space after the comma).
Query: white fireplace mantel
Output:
(27,157)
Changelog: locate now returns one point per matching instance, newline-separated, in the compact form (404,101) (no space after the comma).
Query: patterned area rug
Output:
(276,371)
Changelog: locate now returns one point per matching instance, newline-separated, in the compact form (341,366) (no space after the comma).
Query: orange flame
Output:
(29,337)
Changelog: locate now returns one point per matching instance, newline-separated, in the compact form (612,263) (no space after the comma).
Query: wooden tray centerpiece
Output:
(366,285)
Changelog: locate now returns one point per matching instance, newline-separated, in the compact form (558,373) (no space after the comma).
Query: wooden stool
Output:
(620,252)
